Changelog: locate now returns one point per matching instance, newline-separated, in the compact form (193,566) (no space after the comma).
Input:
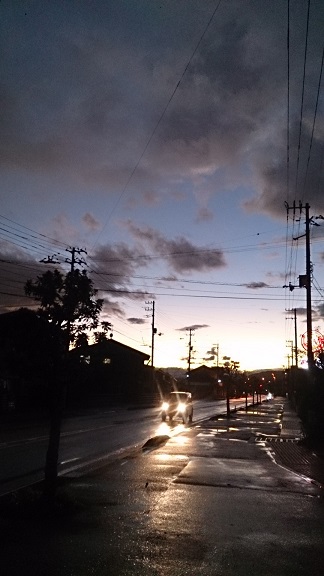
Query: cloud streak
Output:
(181,255)
(193,327)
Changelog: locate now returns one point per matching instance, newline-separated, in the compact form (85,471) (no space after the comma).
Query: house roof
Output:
(111,345)
(21,320)
(207,373)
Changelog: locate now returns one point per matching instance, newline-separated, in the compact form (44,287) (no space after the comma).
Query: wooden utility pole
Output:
(305,281)
(73,260)
(153,333)
(190,349)
(310,355)
(296,345)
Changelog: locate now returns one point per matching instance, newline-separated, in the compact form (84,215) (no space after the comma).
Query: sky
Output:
(170,140)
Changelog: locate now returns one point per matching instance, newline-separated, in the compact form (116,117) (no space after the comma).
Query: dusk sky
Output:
(164,138)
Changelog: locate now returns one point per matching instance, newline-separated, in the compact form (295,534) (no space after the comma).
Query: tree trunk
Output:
(52,455)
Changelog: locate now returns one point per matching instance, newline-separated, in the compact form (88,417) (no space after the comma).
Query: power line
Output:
(149,294)
(40,247)
(186,281)
(161,117)
(17,295)
(288,97)
(314,119)
(43,236)
(302,98)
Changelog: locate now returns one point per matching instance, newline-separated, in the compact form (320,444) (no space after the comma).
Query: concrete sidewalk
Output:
(222,498)
(290,451)
(290,423)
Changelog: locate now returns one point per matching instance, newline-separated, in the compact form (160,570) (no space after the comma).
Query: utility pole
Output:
(190,349)
(154,331)
(217,355)
(310,355)
(296,346)
(289,344)
(295,325)
(305,280)
(73,260)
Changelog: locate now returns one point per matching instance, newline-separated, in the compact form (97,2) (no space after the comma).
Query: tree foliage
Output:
(68,301)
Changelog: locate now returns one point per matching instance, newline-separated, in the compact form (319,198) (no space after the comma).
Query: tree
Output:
(68,303)
(102,335)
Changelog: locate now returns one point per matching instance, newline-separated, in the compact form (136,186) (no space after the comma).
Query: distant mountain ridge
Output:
(181,372)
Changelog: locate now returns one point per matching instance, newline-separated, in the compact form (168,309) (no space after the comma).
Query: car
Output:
(178,405)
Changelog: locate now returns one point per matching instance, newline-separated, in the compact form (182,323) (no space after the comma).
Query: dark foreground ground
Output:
(226,497)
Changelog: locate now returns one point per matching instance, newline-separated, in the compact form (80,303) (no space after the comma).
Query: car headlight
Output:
(181,407)
(165,406)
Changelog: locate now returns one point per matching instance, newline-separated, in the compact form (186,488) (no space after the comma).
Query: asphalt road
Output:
(86,439)
(211,501)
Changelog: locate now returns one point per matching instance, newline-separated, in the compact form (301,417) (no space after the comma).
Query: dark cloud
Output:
(256,285)
(318,313)
(111,308)
(193,327)
(138,321)
(208,358)
(181,255)
(301,311)
(213,351)
(169,278)
(112,269)
(116,263)
(86,103)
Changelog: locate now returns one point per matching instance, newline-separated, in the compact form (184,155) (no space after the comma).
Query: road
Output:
(86,439)
(212,500)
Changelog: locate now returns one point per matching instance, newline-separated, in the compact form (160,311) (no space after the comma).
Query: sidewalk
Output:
(290,452)
(220,499)
(290,423)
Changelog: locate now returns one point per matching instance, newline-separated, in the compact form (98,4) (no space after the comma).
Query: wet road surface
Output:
(210,501)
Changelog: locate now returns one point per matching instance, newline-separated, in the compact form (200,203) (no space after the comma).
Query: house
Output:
(28,352)
(108,372)
(31,366)
(207,382)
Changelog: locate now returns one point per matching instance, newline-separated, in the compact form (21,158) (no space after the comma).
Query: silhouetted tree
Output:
(68,303)
(102,334)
